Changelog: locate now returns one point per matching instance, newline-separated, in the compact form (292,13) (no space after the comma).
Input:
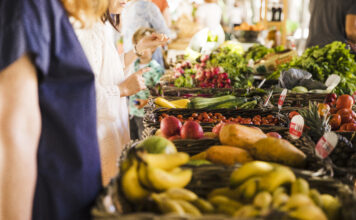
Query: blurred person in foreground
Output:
(152,77)
(49,155)
(332,20)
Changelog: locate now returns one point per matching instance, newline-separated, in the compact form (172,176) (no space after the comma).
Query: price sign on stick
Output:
(326,145)
(282,97)
(268,98)
(296,127)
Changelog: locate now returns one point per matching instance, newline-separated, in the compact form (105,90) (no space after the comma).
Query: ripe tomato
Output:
(292,114)
(335,121)
(347,115)
(344,101)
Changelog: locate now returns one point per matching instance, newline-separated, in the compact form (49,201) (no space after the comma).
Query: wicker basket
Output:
(298,99)
(111,204)
(152,115)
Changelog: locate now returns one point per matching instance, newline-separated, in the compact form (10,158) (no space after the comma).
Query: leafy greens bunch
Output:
(333,58)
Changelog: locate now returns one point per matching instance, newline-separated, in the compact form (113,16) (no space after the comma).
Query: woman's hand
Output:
(133,84)
(151,42)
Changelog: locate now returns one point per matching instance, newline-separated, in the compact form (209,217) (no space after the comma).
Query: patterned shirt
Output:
(151,79)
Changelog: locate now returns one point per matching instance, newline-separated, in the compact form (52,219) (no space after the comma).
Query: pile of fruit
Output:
(242,144)
(172,128)
(259,188)
(153,170)
(218,117)
(343,118)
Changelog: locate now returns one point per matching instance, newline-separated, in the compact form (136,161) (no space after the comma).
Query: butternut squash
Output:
(240,135)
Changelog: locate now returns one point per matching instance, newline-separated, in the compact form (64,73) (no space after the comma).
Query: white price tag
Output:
(296,127)
(326,145)
(282,97)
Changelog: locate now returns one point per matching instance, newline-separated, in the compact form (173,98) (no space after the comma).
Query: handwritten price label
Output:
(326,145)
(282,97)
(296,127)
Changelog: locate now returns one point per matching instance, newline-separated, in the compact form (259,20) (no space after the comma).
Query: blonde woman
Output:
(112,87)
(49,154)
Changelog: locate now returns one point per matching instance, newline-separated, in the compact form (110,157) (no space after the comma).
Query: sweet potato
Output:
(227,155)
(240,135)
(279,151)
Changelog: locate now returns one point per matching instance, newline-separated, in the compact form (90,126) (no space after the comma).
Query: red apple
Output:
(191,130)
(274,134)
(170,126)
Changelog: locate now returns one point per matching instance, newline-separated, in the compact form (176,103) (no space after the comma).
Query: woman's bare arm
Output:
(20,127)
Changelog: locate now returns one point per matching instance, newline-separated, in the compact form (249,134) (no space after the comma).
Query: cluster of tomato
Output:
(218,117)
(343,118)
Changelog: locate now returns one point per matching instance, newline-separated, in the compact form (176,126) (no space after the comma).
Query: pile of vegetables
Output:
(258,51)
(231,60)
(224,68)
(334,58)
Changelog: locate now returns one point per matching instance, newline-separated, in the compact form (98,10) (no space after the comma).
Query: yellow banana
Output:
(252,169)
(131,186)
(225,205)
(163,103)
(279,176)
(142,176)
(189,208)
(181,103)
(163,180)
(308,212)
(167,205)
(248,189)
(316,197)
(225,191)
(278,191)
(300,186)
(203,205)
(279,200)
(247,211)
(331,206)
(262,200)
(165,161)
(298,200)
(181,194)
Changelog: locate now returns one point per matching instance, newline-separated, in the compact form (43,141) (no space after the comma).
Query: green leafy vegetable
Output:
(334,58)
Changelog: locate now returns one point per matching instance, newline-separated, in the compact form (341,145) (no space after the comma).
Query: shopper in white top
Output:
(111,86)
(209,15)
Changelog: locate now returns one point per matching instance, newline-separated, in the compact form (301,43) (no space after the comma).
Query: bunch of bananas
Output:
(146,173)
(181,202)
(257,188)
(181,103)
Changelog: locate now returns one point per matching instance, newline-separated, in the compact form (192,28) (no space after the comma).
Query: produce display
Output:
(224,68)
(209,117)
(333,58)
